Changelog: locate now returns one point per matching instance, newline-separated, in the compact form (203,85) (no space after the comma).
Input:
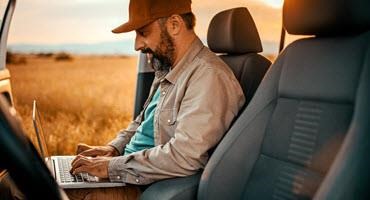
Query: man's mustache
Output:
(147,50)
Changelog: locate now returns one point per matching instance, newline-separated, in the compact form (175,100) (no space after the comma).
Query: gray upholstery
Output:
(233,31)
(348,178)
(284,143)
(248,67)
(174,189)
(329,17)
(304,134)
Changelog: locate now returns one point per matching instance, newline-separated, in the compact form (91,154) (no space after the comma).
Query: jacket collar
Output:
(194,49)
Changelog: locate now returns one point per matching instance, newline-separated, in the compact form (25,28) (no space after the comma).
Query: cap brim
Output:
(130,26)
(126,27)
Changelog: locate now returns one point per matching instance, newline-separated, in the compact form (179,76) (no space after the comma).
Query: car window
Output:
(3,5)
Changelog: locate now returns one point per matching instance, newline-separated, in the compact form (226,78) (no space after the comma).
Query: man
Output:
(193,99)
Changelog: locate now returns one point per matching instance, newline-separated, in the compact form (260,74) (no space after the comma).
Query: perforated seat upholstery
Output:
(305,133)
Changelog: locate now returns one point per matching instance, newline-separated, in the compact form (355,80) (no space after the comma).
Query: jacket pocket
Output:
(168,117)
(167,125)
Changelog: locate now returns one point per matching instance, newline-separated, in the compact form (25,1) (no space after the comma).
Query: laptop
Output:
(61,165)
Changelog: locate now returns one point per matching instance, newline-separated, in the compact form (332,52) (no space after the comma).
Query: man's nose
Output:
(139,43)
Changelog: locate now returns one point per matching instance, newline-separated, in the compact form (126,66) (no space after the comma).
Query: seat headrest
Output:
(233,32)
(326,17)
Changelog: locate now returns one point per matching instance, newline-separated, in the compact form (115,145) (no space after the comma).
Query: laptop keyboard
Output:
(67,177)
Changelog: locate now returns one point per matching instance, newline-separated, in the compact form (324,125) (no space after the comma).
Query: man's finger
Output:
(91,152)
(81,169)
(82,147)
(76,158)
(81,161)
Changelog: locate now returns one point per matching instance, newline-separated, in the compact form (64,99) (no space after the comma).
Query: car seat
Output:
(305,133)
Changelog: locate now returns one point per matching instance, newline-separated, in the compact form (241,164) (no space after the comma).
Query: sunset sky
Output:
(91,21)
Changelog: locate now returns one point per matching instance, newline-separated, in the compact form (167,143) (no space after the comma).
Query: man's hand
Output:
(93,151)
(97,166)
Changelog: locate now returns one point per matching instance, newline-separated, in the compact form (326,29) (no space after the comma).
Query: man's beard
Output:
(164,54)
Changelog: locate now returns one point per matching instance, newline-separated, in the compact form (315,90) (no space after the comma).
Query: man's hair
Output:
(189,19)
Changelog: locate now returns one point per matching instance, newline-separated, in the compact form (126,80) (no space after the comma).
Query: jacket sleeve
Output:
(211,101)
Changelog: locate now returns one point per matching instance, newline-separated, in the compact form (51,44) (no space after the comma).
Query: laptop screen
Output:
(41,142)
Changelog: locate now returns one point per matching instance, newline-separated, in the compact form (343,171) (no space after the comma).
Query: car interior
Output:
(304,133)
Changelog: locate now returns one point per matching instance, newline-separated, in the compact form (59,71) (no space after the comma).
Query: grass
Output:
(86,99)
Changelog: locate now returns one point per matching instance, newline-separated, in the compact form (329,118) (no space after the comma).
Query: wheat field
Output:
(86,99)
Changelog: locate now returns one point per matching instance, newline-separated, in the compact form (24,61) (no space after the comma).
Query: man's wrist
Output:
(114,150)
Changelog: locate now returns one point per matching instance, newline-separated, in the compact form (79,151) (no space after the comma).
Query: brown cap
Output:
(143,12)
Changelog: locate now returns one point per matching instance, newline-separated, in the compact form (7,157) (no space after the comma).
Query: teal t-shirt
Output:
(144,136)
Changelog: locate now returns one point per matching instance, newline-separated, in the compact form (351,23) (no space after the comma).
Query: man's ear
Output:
(175,24)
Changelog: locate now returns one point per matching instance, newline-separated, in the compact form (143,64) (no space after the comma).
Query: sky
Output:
(52,22)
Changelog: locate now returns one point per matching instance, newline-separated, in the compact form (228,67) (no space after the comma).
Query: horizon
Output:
(103,48)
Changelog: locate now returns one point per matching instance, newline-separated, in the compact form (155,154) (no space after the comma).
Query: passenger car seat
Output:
(233,34)
(305,133)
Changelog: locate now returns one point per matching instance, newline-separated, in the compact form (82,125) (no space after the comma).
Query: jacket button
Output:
(137,180)
(169,121)
(163,93)
(118,177)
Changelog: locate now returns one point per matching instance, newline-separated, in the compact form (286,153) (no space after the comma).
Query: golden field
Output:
(87,99)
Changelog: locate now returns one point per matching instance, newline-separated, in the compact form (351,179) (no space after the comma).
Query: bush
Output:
(45,55)
(63,57)
(15,59)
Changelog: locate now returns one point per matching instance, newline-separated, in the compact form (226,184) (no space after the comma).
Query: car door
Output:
(6,12)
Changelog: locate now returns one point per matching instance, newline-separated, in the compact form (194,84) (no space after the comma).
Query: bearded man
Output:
(193,100)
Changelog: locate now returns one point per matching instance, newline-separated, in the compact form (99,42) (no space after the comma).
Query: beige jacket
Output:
(199,99)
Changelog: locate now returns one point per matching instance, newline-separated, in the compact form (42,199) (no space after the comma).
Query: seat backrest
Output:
(233,35)
(305,132)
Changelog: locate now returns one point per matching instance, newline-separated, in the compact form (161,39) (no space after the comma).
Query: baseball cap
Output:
(143,12)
